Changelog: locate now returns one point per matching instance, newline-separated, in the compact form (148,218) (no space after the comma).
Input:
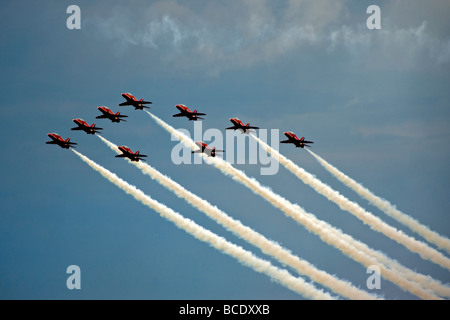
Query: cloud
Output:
(254,33)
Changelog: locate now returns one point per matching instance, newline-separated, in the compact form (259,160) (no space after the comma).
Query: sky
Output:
(375,103)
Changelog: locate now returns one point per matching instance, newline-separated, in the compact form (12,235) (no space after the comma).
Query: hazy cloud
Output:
(255,32)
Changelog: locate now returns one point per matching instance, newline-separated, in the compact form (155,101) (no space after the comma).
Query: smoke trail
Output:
(419,247)
(385,206)
(245,257)
(267,246)
(425,281)
(326,232)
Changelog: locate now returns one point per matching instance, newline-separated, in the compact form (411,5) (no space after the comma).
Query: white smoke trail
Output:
(385,206)
(267,246)
(425,281)
(247,258)
(375,223)
(326,232)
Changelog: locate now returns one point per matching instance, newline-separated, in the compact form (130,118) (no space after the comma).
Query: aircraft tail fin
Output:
(214,151)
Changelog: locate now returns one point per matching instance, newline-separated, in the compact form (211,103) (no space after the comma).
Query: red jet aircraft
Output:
(108,114)
(292,138)
(205,149)
(56,139)
(237,124)
(131,101)
(89,129)
(127,153)
(185,112)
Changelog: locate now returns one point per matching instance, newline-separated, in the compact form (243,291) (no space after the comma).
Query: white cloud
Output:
(257,32)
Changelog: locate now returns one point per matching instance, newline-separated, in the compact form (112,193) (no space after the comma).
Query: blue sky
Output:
(375,103)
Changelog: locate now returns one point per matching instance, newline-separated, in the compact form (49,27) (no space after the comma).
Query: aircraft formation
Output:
(130,100)
(420,285)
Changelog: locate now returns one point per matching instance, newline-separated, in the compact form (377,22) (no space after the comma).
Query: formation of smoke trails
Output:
(326,232)
(245,257)
(426,281)
(267,246)
(375,223)
(385,206)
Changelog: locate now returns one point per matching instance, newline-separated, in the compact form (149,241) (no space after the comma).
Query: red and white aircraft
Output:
(56,139)
(185,112)
(127,153)
(131,101)
(89,129)
(237,124)
(292,138)
(205,149)
(108,114)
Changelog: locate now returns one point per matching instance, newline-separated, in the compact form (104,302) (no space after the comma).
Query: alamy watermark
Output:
(239,148)
(374,20)
(374,280)
(74,280)
(74,20)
